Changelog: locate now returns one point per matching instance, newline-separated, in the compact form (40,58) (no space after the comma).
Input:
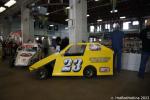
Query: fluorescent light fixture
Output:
(2,9)
(87,15)
(67,7)
(47,13)
(92,28)
(66,28)
(54,37)
(39,7)
(114,25)
(42,38)
(67,20)
(37,38)
(96,0)
(99,20)
(126,25)
(10,3)
(145,21)
(114,11)
(100,40)
(122,17)
(51,25)
(135,23)
(33,4)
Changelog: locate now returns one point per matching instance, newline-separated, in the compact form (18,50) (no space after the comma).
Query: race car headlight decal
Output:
(104,69)
(26,54)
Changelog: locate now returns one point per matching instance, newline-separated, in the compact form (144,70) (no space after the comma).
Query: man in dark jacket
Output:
(117,45)
(145,37)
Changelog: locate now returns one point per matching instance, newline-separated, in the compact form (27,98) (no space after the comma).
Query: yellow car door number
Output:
(74,65)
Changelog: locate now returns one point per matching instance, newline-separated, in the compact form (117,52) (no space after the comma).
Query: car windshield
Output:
(30,49)
(75,50)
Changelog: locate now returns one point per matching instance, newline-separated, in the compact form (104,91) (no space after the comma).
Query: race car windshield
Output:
(31,49)
(75,50)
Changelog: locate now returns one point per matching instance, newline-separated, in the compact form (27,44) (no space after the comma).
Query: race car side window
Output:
(75,50)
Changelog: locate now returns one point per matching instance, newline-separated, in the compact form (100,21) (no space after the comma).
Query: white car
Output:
(27,54)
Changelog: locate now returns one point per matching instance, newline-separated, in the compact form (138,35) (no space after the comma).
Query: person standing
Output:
(145,37)
(58,44)
(45,46)
(64,43)
(117,44)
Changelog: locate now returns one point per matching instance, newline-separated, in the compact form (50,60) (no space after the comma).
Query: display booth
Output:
(131,61)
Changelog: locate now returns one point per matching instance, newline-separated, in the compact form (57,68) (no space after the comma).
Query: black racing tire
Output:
(89,72)
(42,74)
(12,63)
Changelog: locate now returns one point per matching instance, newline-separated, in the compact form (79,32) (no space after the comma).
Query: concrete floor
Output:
(18,84)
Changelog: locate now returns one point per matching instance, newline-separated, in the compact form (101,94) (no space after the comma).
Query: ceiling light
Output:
(135,23)
(67,20)
(37,38)
(54,37)
(39,7)
(114,11)
(42,38)
(100,40)
(2,9)
(122,17)
(33,4)
(51,25)
(99,20)
(87,15)
(145,21)
(10,3)
(67,7)
(66,28)
(96,0)
(47,13)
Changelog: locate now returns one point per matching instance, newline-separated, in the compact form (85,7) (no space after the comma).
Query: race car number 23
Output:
(74,65)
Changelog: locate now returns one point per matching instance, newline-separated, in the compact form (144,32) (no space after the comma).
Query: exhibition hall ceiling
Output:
(97,9)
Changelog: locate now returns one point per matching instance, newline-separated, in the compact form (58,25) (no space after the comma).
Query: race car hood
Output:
(23,58)
(43,62)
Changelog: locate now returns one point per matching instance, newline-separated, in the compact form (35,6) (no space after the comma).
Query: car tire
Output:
(11,63)
(42,74)
(89,72)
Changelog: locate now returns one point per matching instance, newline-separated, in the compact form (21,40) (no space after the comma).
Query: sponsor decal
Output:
(99,59)
(104,69)
(72,65)
(94,47)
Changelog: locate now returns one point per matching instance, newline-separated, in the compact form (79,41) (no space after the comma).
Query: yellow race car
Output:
(82,59)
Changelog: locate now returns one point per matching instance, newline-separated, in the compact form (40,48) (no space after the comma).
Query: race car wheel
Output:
(11,63)
(89,72)
(42,74)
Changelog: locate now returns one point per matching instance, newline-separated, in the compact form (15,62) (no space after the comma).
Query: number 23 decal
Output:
(74,65)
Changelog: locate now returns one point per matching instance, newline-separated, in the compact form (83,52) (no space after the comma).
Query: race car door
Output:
(70,63)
